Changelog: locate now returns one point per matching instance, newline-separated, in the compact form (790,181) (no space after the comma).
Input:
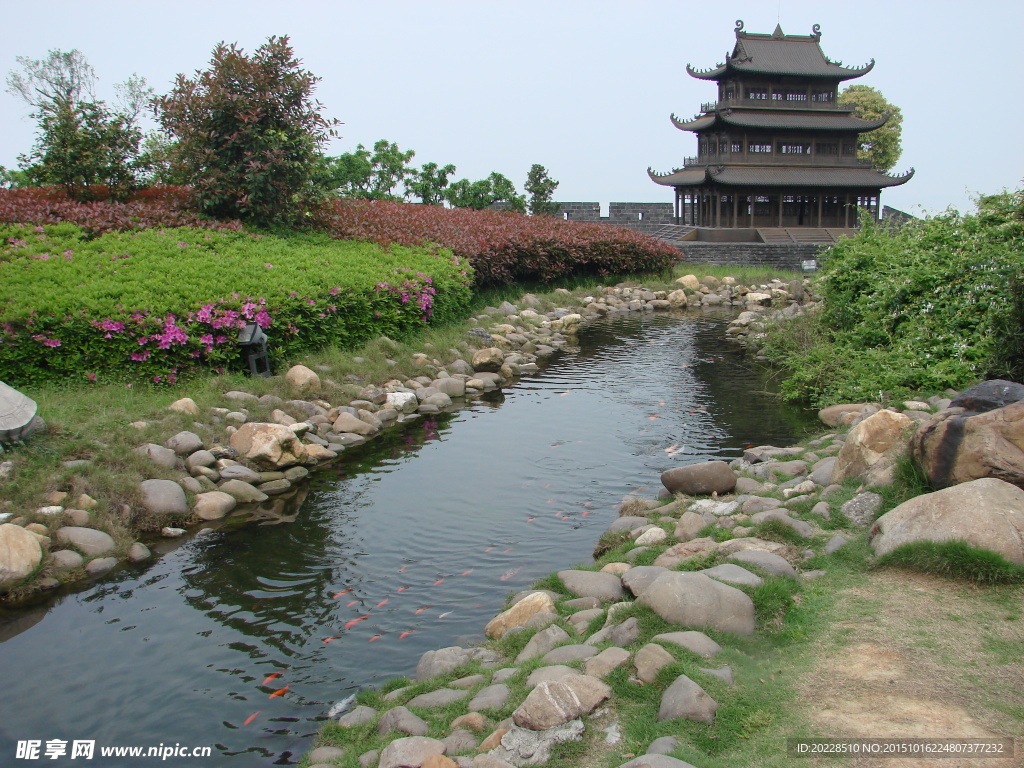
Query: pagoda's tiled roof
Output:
(780,176)
(780,54)
(791,120)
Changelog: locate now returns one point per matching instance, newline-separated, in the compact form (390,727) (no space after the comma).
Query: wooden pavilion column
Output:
(820,199)
(780,209)
(846,210)
(735,210)
(718,209)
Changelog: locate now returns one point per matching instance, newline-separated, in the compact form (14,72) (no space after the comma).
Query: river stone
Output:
(488,360)
(862,508)
(569,653)
(627,523)
(165,457)
(302,379)
(66,560)
(800,526)
(700,479)
(696,600)
(451,387)
(639,577)
(326,755)
(734,574)
(20,553)
(653,759)
(832,415)
(240,472)
(347,422)
(556,703)
(835,543)
(654,536)
(872,449)
(200,459)
(163,497)
(213,505)
(410,752)
(402,720)
(444,660)
(524,747)
(650,660)
(988,396)
(491,697)
(269,446)
(689,525)
(581,619)
(548,674)
(184,443)
(766,561)
(822,471)
(603,586)
(760,504)
(88,541)
(100,565)
(442,697)
(606,661)
(663,746)
(242,491)
(987,513)
(695,642)
(686,700)
(687,550)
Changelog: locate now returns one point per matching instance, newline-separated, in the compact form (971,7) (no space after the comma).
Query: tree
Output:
(430,183)
(81,143)
(481,194)
(248,133)
(540,188)
(881,146)
(366,176)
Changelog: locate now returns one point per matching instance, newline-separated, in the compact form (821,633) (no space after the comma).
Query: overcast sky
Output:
(584,88)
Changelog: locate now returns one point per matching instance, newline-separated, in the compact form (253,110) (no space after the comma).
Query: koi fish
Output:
(488,549)
(564,517)
(333,637)
(530,519)
(250,718)
(270,677)
(402,568)
(467,572)
(375,638)
(401,589)
(662,404)
(280,692)
(446,613)
(350,624)
(349,605)
(383,602)
(653,418)
(563,394)
(421,610)
(672,448)
(585,513)
(506,551)
(405,634)
(548,485)
(438,582)
(343,592)
(509,574)
(341,706)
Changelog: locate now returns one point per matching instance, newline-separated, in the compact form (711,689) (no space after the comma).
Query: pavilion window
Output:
(757,93)
(822,96)
(826,148)
(794,149)
(760,148)
(737,147)
(847,149)
(796,96)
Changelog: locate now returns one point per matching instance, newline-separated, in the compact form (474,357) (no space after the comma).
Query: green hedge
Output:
(156,304)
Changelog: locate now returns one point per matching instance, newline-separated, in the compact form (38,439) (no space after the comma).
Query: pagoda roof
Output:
(780,54)
(779,176)
(771,118)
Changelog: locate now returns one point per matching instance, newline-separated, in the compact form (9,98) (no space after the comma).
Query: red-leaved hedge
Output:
(503,247)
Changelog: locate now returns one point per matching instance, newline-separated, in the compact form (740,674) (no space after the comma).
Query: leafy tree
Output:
(81,143)
(481,194)
(430,183)
(248,133)
(365,175)
(540,187)
(883,145)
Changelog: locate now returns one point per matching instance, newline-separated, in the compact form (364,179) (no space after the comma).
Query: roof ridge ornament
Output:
(778,34)
(816,32)
(739,27)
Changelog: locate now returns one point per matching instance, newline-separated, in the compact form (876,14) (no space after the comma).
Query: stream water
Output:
(411,542)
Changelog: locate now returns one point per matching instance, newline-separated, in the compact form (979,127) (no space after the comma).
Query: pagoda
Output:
(776,149)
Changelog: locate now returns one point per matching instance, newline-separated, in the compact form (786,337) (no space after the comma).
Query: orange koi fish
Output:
(280,692)
(438,582)
(405,634)
(333,637)
(383,602)
(401,589)
(653,418)
(375,638)
(350,624)
(506,551)
(672,448)
(488,549)
(509,574)
(349,605)
(467,572)
(585,513)
(343,592)
(421,610)
(402,568)
(530,519)
(270,677)
(250,718)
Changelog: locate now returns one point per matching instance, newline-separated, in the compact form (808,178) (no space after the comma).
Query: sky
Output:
(584,88)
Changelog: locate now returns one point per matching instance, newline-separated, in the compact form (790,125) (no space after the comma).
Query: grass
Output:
(955,560)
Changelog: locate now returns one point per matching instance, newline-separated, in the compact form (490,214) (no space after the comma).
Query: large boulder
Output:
(269,446)
(519,614)
(489,359)
(557,702)
(987,513)
(88,541)
(957,445)
(163,497)
(989,395)
(832,415)
(700,479)
(873,448)
(603,586)
(20,553)
(697,601)
(686,700)
(302,379)
(410,752)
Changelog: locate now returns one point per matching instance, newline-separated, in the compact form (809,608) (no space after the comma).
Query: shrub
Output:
(156,304)
(503,248)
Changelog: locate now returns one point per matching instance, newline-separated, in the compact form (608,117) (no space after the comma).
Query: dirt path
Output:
(912,656)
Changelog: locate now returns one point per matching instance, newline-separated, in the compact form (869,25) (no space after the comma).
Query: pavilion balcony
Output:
(769,103)
(775,158)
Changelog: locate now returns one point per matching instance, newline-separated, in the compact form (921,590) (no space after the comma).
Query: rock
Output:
(986,513)
(689,525)
(800,526)
(302,379)
(519,614)
(551,704)
(402,720)
(654,760)
(832,415)
(100,565)
(638,578)
(872,449)
(689,281)
(200,459)
(491,697)
(603,586)
(663,746)
(653,536)
(568,653)
(822,471)
(862,508)
(988,396)
(525,747)
(548,674)
(239,472)
(542,642)
(760,504)
(696,600)
(66,560)
(766,561)
(185,405)
(184,443)
(696,642)
(361,715)
(606,661)
(442,697)
(443,661)
(489,360)
(163,497)
(369,759)
(172,533)
(410,752)
(88,541)
(474,721)
(165,457)
(20,554)
(460,741)
(716,508)
(468,682)
(627,523)
(733,574)
(680,553)
(242,491)
(269,446)
(725,673)
(348,422)
(684,699)
(451,387)
(650,660)
(700,479)
(835,543)
(326,755)
(213,505)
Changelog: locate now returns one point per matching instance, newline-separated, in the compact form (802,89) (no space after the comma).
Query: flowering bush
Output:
(502,247)
(158,303)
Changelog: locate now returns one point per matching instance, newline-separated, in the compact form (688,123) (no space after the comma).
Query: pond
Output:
(242,639)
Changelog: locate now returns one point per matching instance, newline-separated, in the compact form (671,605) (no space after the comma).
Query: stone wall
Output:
(789,256)
(621,214)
